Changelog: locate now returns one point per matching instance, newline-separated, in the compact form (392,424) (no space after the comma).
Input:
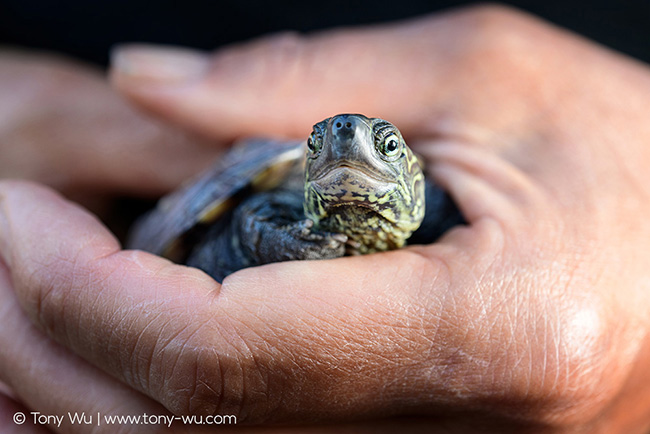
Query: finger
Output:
(483,184)
(53,381)
(426,75)
(290,341)
(282,84)
(125,326)
(69,129)
(356,337)
(11,418)
(481,76)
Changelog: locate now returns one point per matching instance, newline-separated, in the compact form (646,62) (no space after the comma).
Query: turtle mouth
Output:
(358,170)
(354,205)
(345,184)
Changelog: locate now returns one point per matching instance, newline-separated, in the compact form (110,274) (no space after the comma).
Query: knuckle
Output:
(286,45)
(494,13)
(551,359)
(58,77)
(205,378)
(500,34)
(265,63)
(280,54)
(572,375)
(493,19)
(45,287)
(275,66)
(581,378)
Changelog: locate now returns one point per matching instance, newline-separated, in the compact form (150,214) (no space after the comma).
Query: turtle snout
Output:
(344,127)
(347,138)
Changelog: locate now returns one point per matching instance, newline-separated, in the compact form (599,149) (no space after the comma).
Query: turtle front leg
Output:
(272,228)
(267,227)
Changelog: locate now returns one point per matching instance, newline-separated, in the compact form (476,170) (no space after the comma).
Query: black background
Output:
(88,28)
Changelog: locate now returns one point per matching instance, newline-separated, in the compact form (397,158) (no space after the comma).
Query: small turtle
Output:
(354,188)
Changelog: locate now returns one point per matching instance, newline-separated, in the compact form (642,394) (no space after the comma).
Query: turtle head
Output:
(361,179)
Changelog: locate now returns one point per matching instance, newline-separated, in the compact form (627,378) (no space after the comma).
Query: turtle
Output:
(353,187)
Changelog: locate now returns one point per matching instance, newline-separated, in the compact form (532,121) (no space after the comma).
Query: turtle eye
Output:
(390,146)
(313,143)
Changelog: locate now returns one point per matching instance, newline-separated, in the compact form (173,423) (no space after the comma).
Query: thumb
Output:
(281,84)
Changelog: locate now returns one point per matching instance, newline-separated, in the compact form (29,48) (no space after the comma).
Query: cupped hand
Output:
(534,315)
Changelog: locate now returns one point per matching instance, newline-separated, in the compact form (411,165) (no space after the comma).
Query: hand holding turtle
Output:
(533,315)
(353,188)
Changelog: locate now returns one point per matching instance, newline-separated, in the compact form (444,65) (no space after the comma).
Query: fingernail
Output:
(159,65)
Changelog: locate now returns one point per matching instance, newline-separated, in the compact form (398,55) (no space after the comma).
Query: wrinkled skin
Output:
(355,186)
(533,316)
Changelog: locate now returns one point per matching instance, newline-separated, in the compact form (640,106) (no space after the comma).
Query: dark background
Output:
(88,28)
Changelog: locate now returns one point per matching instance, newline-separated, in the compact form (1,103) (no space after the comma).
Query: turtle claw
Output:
(352,248)
(353,244)
(317,244)
(336,240)
(304,228)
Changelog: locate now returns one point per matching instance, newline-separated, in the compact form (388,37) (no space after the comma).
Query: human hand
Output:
(63,126)
(532,316)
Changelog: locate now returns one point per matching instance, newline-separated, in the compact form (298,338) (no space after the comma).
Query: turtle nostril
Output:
(344,125)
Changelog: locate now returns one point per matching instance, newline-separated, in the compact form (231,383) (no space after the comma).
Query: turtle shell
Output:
(249,167)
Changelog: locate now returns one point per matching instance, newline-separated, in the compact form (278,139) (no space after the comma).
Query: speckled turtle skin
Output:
(354,187)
